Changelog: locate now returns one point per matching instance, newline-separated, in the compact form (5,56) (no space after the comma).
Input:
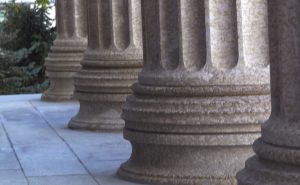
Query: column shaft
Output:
(67,51)
(277,151)
(196,108)
(111,63)
(223,33)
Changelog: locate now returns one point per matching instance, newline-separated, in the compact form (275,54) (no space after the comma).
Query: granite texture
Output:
(202,94)
(277,159)
(110,65)
(67,51)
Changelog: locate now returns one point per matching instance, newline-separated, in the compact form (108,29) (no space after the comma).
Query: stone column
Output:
(202,94)
(111,63)
(67,51)
(277,160)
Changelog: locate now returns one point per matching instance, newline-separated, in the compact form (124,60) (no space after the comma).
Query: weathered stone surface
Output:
(202,94)
(111,63)
(67,51)
(277,159)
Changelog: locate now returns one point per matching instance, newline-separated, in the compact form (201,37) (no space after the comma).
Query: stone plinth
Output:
(202,94)
(277,159)
(67,51)
(111,63)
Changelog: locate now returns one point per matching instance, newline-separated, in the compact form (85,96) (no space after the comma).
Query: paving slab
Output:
(49,152)
(26,127)
(12,177)
(3,137)
(94,155)
(63,180)
(106,175)
(54,106)
(19,98)
(49,160)
(8,158)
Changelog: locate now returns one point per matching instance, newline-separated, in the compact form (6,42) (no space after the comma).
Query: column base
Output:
(99,112)
(61,65)
(265,172)
(179,160)
(61,89)
(187,136)
(100,124)
(272,165)
(171,180)
(56,97)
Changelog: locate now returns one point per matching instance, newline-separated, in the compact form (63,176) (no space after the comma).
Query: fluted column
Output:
(202,94)
(111,63)
(277,159)
(67,51)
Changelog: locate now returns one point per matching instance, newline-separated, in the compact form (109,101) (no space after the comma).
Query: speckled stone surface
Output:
(202,94)
(111,63)
(67,51)
(277,160)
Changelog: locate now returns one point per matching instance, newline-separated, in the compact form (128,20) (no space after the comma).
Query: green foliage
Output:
(43,3)
(30,24)
(20,75)
(26,36)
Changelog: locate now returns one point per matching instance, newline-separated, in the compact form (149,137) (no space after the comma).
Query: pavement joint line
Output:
(66,143)
(13,148)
